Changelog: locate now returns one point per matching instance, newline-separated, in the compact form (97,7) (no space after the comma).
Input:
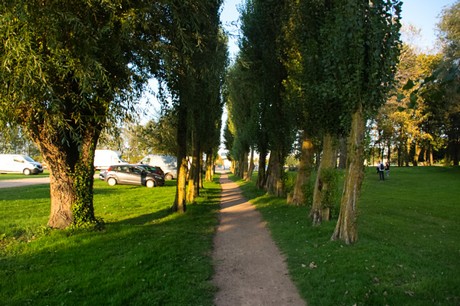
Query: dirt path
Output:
(250,269)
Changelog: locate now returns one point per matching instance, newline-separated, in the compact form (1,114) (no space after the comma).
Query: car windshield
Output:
(27,158)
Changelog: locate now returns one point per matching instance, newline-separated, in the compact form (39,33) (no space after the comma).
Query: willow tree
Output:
(65,69)
(359,61)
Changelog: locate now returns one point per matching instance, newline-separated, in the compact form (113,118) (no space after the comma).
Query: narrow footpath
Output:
(249,268)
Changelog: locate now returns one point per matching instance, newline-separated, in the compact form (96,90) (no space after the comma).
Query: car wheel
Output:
(26,171)
(150,183)
(111,181)
(168,177)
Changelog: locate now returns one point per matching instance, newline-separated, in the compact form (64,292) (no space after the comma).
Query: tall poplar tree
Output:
(192,28)
(262,23)
(360,63)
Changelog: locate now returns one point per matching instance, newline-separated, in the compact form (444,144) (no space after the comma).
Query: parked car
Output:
(17,163)
(105,158)
(131,175)
(153,169)
(167,162)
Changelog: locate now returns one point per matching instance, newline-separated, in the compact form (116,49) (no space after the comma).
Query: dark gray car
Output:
(131,175)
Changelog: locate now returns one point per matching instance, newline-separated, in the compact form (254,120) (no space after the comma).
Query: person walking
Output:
(380,170)
(387,168)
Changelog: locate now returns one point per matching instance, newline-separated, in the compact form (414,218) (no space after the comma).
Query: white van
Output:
(17,163)
(103,159)
(167,163)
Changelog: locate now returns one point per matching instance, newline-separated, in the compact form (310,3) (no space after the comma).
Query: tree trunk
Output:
(407,158)
(431,156)
(261,174)
(244,165)
(275,184)
(417,151)
(194,176)
(304,173)
(389,152)
(346,228)
(320,210)
(453,147)
(179,204)
(71,177)
(251,166)
(209,166)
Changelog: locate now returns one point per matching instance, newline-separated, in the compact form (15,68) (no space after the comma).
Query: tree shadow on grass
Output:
(145,218)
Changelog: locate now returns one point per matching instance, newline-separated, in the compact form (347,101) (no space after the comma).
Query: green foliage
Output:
(144,255)
(67,68)
(262,55)
(408,248)
(65,62)
(361,48)
(330,178)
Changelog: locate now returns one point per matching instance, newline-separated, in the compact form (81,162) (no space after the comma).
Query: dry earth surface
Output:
(249,268)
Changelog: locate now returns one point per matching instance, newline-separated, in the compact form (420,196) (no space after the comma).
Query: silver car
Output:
(131,175)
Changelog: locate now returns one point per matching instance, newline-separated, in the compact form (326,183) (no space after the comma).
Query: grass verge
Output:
(144,256)
(408,249)
(18,176)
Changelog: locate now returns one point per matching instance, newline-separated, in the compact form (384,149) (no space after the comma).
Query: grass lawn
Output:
(144,256)
(16,176)
(408,251)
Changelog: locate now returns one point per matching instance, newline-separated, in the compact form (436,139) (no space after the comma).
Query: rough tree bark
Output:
(179,204)
(209,166)
(320,211)
(343,152)
(304,173)
(275,184)
(346,228)
(194,175)
(71,176)
(243,165)
(251,166)
(261,174)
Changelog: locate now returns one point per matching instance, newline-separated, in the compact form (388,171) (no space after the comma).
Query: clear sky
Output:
(423,14)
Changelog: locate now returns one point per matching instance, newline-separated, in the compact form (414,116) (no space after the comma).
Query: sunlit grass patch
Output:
(408,247)
(145,255)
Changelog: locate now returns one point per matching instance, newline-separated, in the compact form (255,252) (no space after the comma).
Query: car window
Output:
(135,170)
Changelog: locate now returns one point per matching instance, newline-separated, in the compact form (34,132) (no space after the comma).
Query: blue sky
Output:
(423,14)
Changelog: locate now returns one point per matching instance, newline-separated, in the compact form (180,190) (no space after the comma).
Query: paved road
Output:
(24,182)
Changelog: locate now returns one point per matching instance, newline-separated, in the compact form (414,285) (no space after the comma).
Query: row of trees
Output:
(70,70)
(326,75)
(318,69)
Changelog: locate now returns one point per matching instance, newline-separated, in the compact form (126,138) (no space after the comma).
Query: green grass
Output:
(17,176)
(408,250)
(144,256)
(407,253)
